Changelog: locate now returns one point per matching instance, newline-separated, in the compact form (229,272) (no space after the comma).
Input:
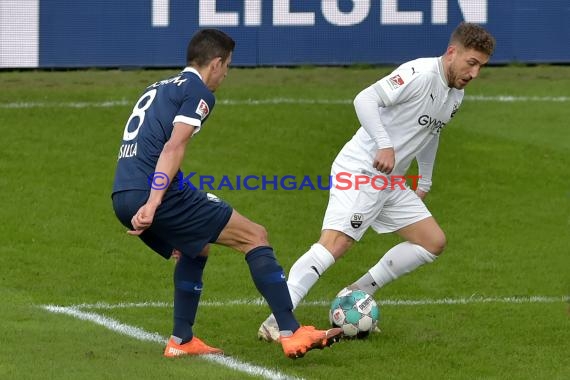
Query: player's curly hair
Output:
(473,36)
(208,44)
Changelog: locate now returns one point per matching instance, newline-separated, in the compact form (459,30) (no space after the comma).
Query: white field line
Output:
(386,302)
(103,104)
(275,101)
(142,335)
(107,322)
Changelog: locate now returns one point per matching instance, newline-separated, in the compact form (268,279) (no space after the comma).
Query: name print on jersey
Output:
(127,150)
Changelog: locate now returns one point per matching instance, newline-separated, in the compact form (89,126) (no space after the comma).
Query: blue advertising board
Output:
(154,33)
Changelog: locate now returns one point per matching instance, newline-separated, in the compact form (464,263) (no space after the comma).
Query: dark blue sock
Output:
(270,280)
(187,291)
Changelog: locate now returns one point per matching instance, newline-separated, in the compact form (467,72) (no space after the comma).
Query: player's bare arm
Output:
(168,163)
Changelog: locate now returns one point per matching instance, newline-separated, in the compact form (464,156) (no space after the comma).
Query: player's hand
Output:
(142,219)
(385,160)
(176,255)
(421,194)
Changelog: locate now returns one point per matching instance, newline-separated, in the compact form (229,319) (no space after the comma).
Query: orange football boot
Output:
(307,338)
(194,347)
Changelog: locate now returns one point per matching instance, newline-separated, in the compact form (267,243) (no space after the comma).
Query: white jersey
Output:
(417,104)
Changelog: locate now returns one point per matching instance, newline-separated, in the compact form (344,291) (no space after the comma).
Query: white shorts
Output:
(352,211)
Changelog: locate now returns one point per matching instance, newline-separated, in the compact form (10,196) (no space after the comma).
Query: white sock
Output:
(307,270)
(398,261)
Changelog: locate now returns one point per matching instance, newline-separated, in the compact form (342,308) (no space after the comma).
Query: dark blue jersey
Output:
(183,98)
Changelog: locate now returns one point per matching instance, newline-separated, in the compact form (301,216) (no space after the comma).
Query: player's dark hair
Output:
(473,36)
(208,44)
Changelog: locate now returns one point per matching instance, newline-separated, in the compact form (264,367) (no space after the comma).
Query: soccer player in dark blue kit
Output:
(175,220)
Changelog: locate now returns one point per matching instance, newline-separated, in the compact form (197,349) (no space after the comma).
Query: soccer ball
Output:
(355,311)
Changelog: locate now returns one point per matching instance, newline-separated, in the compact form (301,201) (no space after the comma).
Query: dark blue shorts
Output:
(186,220)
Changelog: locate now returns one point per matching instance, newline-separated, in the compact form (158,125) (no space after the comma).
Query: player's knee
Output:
(258,235)
(341,247)
(437,243)
(336,242)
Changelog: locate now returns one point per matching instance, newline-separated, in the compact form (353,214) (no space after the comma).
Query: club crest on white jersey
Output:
(356,220)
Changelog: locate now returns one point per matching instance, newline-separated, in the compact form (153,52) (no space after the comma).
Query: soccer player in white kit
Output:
(401,118)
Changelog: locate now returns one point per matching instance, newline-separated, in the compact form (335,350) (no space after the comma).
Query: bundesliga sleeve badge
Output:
(203,110)
(395,81)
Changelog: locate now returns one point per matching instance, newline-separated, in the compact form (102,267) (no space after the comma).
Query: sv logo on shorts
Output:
(356,220)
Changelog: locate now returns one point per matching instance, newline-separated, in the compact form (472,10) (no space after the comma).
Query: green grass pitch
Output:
(494,306)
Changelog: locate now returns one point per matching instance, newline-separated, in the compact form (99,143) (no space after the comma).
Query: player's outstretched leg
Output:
(271,282)
(269,279)
(305,273)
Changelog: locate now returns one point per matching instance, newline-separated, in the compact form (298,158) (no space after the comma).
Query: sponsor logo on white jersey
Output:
(433,124)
